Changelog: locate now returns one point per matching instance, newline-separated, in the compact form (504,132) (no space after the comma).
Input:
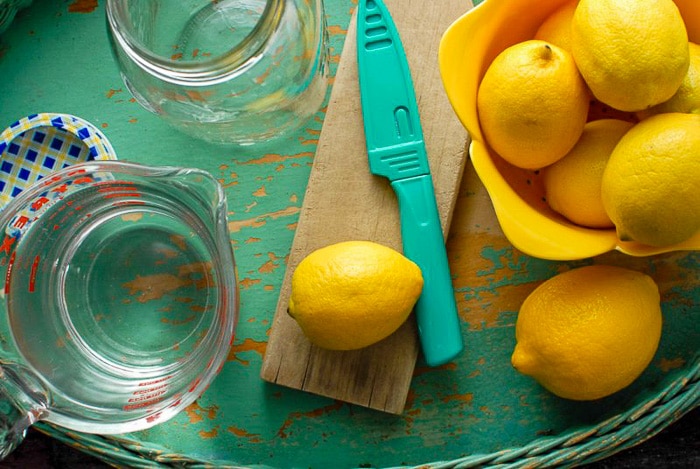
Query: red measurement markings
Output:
(140,405)
(7,243)
(47,181)
(75,172)
(111,182)
(177,401)
(128,203)
(155,381)
(154,417)
(112,191)
(151,392)
(83,180)
(38,203)
(153,396)
(122,194)
(60,189)
(21,221)
(32,274)
(8,273)
(194,385)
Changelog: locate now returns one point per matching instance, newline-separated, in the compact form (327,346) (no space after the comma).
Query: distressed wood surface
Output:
(344,201)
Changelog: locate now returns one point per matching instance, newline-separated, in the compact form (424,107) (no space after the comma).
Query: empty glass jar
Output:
(226,71)
(8,9)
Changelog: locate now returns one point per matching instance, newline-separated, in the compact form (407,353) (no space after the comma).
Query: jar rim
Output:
(206,72)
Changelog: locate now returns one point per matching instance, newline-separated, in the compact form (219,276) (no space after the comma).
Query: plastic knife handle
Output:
(424,244)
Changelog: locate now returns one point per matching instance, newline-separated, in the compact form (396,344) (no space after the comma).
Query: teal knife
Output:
(396,150)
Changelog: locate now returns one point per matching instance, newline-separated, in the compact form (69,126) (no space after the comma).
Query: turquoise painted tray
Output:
(474,412)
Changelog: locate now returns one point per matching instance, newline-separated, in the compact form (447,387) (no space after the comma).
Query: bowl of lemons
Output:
(585,121)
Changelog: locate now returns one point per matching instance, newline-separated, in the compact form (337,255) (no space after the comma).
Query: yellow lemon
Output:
(352,294)
(589,332)
(687,98)
(556,28)
(651,184)
(532,104)
(572,184)
(632,54)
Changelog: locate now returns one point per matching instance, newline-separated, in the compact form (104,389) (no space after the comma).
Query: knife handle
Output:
(424,244)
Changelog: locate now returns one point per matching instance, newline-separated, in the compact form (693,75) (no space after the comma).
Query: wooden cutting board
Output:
(344,201)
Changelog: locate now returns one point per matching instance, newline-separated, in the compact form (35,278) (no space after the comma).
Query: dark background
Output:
(676,447)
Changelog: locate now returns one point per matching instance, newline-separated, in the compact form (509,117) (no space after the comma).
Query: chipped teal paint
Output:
(53,60)
(529,269)
(522,270)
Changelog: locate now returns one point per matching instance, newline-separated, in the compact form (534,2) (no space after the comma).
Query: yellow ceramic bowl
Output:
(466,50)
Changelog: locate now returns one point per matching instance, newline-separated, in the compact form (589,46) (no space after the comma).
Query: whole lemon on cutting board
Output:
(589,332)
(352,294)
(573,184)
(532,104)
(651,184)
(632,54)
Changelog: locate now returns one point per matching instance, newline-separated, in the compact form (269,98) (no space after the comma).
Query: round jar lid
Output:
(40,144)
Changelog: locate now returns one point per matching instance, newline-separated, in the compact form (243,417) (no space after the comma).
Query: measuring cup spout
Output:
(23,401)
(202,192)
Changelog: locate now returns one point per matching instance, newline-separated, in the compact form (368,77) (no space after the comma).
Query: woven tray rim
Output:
(576,447)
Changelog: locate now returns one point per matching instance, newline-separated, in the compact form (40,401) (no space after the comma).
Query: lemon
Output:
(589,332)
(556,28)
(633,54)
(352,294)
(687,98)
(573,184)
(532,104)
(651,184)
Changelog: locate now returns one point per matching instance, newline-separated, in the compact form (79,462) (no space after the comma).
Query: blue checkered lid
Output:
(40,144)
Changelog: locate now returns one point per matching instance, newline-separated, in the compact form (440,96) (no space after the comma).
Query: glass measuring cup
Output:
(226,71)
(118,298)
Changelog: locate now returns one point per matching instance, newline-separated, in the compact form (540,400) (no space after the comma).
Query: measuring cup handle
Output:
(22,403)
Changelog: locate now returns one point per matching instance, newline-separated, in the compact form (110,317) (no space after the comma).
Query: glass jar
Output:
(8,10)
(226,71)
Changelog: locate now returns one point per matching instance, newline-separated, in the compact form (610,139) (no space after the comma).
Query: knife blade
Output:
(396,150)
